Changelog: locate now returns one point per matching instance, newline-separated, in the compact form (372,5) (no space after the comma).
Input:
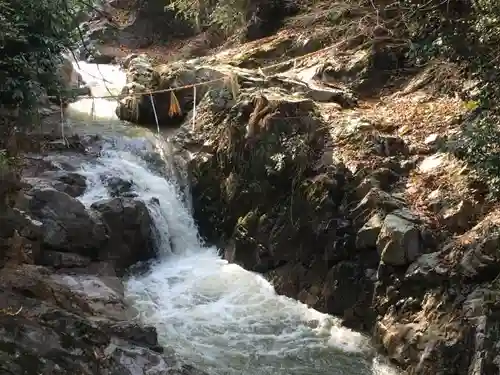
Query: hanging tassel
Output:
(175,108)
(154,111)
(194,108)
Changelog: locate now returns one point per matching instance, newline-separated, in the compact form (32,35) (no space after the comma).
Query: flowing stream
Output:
(217,316)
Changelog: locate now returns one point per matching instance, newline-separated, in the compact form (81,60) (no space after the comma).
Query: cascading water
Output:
(223,319)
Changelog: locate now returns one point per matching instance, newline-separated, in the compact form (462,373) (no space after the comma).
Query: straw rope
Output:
(261,70)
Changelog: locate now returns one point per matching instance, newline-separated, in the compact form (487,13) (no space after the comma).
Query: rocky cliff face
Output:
(346,200)
(62,304)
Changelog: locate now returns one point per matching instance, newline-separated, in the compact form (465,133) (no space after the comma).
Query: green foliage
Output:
(479,145)
(33,34)
(226,14)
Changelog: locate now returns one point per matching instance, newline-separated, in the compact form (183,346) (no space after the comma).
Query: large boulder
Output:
(131,232)
(66,224)
(399,241)
(142,79)
(119,231)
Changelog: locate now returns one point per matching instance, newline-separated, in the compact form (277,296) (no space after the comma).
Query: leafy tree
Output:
(33,35)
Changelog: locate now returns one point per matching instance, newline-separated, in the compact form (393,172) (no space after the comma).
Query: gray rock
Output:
(63,325)
(399,241)
(131,232)
(66,224)
(60,259)
(368,234)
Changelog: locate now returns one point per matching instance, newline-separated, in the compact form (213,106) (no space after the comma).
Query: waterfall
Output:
(221,318)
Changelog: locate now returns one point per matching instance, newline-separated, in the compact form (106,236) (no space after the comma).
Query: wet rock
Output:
(135,333)
(131,232)
(399,241)
(66,224)
(63,324)
(119,187)
(289,280)
(70,183)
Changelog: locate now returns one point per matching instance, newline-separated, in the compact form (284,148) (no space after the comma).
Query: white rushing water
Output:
(218,316)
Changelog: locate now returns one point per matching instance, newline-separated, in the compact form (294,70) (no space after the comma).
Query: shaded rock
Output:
(272,162)
(59,259)
(265,17)
(427,267)
(347,292)
(12,220)
(66,225)
(131,232)
(368,234)
(407,214)
(399,241)
(141,24)
(19,250)
(67,74)
(442,315)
